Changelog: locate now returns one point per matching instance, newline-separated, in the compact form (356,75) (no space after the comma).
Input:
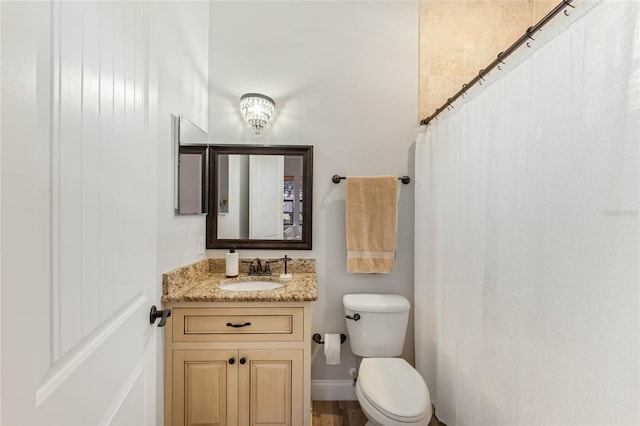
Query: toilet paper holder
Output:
(318,338)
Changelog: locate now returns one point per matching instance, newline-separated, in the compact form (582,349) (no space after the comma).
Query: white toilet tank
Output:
(378,325)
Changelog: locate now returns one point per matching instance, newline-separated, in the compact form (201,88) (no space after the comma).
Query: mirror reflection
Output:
(260,196)
(191,167)
(192,179)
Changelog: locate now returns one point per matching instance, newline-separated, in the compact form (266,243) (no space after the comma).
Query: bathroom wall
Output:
(459,38)
(183,79)
(344,76)
(183,84)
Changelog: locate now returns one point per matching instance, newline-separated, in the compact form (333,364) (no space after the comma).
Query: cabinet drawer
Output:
(237,324)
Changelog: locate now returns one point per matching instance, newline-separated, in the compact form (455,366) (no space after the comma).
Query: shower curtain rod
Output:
(525,38)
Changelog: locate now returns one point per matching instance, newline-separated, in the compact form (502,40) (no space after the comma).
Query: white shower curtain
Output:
(527,299)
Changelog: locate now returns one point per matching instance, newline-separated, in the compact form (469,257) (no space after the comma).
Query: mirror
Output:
(190,174)
(260,196)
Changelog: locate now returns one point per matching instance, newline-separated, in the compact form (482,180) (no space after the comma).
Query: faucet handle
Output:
(268,269)
(286,260)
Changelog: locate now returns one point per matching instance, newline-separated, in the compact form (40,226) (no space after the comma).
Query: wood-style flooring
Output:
(345,413)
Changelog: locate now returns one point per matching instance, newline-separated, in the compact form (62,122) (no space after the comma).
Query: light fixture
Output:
(257,109)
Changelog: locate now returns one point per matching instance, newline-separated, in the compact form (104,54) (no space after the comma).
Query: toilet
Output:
(390,391)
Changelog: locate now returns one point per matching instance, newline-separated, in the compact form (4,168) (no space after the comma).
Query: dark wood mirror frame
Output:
(306,152)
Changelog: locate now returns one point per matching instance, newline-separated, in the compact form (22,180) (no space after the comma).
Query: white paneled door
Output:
(78,214)
(266,193)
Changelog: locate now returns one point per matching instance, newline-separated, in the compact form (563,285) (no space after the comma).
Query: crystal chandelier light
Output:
(257,109)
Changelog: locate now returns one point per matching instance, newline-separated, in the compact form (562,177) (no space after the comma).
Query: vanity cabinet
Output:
(237,363)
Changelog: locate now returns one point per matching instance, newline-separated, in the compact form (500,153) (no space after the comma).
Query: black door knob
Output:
(155,313)
(243,360)
(232,360)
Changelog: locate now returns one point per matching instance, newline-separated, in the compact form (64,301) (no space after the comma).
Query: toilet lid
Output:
(394,387)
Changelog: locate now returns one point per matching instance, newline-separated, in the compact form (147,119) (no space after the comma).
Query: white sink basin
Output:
(251,285)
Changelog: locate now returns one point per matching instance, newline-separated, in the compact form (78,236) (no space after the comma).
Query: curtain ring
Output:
(500,60)
(528,44)
(529,34)
(565,12)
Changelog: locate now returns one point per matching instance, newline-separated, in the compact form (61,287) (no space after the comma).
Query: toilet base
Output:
(375,418)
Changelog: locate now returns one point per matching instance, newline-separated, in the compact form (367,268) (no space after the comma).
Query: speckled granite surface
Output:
(200,281)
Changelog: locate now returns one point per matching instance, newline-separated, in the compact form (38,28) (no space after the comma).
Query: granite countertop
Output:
(199,282)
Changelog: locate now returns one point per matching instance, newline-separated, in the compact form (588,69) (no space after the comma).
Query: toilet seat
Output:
(394,389)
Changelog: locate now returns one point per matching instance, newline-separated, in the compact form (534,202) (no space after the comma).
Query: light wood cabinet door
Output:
(205,387)
(267,384)
(270,387)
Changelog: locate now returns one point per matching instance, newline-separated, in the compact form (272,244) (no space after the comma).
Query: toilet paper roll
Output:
(332,348)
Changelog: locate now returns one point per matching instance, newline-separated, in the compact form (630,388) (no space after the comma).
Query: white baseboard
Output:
(333,390)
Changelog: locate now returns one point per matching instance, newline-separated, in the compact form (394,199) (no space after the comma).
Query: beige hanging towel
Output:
(372,221)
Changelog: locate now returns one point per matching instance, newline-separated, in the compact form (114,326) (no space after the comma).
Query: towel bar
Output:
(338,178)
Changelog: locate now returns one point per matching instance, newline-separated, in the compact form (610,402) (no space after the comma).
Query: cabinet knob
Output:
(243,360)
(232,360)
